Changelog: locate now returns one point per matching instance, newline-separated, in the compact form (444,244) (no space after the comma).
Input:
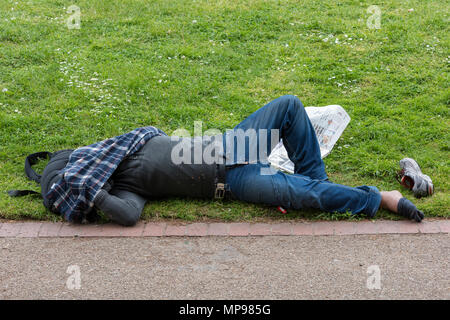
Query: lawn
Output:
(165,63)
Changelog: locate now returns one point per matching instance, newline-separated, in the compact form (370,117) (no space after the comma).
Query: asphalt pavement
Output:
(389,266)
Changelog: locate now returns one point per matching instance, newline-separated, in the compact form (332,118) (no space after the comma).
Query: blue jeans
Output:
(309,186)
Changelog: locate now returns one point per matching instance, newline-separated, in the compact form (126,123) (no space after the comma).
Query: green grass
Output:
(169,63)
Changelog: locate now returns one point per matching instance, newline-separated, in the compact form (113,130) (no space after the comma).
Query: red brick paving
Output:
(90,230)
(218,229)
(29,230)
(398,227)
(175,230)
(323,228)
(9,229)
(200,229)
(366,227)
(445,226)
(70,230)
(430,226)
(302,229)
(260,229)
(50,229)
(282,229)
(344,228)
(197,229)
(239,229)
(111,230)
(156,229)
(135,231)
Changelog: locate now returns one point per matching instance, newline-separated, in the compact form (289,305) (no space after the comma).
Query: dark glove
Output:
(407,209)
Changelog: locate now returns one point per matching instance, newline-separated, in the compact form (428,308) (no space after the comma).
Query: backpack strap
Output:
(21,193)
(31,160)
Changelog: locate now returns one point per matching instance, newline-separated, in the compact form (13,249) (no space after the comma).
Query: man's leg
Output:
(287,115)
(297,191)
(309,186)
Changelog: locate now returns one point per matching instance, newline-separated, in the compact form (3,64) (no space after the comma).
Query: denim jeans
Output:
(309,186)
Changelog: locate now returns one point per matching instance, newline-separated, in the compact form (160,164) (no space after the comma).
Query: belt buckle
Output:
(220,191)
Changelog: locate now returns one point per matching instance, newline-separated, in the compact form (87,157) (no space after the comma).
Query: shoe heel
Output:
(407,182)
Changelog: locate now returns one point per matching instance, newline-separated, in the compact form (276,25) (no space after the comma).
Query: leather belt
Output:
(220,183)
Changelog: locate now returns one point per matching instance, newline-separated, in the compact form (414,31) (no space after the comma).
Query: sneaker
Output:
(411,177)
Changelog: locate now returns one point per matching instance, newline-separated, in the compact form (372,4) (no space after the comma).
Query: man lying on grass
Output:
(118,175)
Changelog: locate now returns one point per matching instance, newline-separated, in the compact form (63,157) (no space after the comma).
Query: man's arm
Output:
(121,206)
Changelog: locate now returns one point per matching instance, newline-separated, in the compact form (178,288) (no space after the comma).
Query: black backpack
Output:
(51,174)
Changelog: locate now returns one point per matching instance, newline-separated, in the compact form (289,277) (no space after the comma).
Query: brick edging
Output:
(199,229)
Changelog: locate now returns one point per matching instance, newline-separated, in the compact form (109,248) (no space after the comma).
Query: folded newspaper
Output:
(329,122)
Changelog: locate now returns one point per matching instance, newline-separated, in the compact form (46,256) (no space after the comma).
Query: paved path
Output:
(167,260)
(158,229)
(409,266)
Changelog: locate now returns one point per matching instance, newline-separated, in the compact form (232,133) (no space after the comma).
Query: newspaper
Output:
(329,122)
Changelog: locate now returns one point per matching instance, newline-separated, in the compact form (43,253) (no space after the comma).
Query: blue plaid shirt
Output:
(90,167)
